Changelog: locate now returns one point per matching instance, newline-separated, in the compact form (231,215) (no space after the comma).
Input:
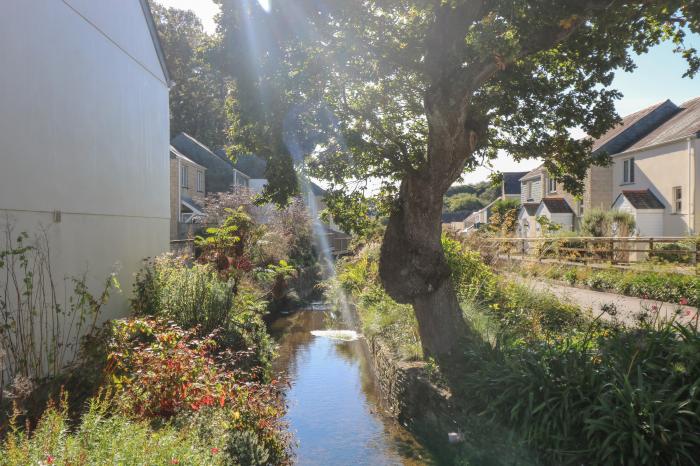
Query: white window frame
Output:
(183,176)
(200,181)
(528,191)
(628,171)
(677,199)
(552,185)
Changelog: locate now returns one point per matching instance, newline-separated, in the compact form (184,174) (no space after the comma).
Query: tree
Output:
(199,90)
(414,92)
(463,201)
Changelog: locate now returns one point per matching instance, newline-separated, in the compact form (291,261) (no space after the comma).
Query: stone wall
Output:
(410,397)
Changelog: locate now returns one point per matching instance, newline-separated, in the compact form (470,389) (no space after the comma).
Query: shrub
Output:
(607,223)
(159,371)
(196,297)
(471,277)
(103,437)
(40,333)
(601,397)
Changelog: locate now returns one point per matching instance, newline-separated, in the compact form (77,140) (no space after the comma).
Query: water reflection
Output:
(334,411)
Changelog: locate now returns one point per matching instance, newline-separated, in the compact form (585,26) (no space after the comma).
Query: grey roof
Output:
(634,127)
(191,203)
(557,205)
(317,190)
(685,122)
(458,216)
(221,153)
(642,199)
(155,37)
(251,165)
(219,175)
(511,182)
(176,153)
(531,207)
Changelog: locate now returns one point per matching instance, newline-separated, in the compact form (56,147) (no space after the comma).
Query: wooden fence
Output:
(617,250)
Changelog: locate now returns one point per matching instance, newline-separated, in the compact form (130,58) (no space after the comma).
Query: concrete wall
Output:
(84,130)
(661,169)
(598,190)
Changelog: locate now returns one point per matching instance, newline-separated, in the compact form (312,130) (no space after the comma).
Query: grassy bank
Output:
(573,389)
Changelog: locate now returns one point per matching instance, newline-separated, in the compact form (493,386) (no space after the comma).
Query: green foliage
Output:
(196,297)
(473,280)
(198,96)
(503,219)
(358,277)
(103,437)
(463,201)
(602,397)
(607,223)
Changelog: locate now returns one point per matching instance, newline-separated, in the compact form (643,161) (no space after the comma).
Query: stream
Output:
(334,409)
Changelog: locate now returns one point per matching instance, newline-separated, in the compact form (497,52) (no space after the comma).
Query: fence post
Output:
(651,249)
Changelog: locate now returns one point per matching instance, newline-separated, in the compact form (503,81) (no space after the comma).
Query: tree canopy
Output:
(410,93)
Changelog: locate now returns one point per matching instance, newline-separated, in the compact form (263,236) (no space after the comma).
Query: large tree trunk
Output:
(414,270)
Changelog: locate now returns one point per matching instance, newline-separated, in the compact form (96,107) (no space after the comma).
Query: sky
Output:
(657,78)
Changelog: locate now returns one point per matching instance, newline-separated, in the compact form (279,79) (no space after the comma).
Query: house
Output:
(84,124)
(254,168)
(221,175)
(656,178)
(455,220)
(510,189)
(653,175)
(187,193)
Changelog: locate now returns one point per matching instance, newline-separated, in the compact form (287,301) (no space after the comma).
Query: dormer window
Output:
(628,171)
(528,190)
(552,185)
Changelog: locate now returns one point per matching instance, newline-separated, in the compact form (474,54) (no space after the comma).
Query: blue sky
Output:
(658,77)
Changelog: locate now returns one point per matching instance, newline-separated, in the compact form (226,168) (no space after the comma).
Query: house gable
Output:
(219,175)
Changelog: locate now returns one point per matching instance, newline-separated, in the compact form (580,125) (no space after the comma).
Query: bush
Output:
(159,371)
(103,437)
(601,397)
(196,297)
(472,279)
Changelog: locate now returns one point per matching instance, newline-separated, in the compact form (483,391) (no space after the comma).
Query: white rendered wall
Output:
(84,130)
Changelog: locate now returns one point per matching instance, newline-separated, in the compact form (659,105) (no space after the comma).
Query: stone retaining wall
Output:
(410,397)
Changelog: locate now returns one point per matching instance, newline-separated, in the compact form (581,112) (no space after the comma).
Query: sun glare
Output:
(265,4)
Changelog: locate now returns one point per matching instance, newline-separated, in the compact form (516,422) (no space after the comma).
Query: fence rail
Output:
(616,250)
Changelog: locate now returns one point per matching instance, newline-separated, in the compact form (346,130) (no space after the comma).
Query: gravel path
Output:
(628,308)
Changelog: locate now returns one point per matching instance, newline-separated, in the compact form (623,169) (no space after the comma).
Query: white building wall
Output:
(661,169)
(257,185)
(84,130)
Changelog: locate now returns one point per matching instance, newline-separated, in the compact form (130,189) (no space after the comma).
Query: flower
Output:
(654,307)
(214,451)
(684,301)
(50,459)
(174,461)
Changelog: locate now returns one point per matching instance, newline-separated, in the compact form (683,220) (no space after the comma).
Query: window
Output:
(200,181)
(677,200)
(529,190)
(183,176)
(628,171)
(552,185)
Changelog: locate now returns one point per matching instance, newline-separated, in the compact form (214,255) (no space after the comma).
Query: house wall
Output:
(257,184)
(649,222)
(84,127)
(536,190)
(191,189)
(174,197)
(661,169)
(598,189)
(696,184)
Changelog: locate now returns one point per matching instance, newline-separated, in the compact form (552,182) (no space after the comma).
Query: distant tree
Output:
(503,218)
(413,93)
(463,201)
(199,90)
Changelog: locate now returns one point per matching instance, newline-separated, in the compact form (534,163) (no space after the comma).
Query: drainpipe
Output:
(179,198)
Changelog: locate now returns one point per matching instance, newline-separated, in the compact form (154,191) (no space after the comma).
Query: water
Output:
(334,410)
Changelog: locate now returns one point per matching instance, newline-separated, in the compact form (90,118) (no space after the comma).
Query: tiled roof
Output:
(511,182)
(686,122)
(531,207)
(634,127)
(176,153)
(643,199)
(557,205)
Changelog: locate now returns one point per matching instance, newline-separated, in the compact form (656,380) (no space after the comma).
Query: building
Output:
(221,175)
(84,122)
(656,178)
(653,175)
(187,193)
(510,190)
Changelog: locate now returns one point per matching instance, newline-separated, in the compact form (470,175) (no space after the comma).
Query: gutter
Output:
(692,186)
